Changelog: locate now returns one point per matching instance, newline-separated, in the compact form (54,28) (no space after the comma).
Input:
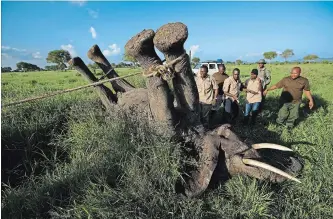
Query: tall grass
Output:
(65,157)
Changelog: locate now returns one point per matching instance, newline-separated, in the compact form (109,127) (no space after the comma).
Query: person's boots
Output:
(246,120)
(254,117)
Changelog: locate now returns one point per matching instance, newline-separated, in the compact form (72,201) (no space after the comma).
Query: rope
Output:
(165,71)
(67,90)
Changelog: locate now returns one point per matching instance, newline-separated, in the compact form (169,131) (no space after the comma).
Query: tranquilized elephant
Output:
(177,114)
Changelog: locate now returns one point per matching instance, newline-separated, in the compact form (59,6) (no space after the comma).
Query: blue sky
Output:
(227,30)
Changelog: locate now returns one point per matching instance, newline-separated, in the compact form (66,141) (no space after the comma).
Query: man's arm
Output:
(226,89)
(269,89)
(309,96)
(276,86)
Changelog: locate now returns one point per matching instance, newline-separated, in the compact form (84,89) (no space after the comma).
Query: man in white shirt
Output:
(208,91)
(231,88)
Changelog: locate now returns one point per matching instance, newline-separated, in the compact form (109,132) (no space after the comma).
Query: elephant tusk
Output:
(271,146)
(269,167)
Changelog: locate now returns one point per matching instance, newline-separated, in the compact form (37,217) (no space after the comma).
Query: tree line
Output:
(270,55)
(60,58)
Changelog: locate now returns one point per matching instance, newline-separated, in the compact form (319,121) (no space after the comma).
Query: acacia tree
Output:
(287,53)
(238,61)
(93,67)
(59,57)
(25,66)
(270,55)
(311,57)
(195,61)
(129,58)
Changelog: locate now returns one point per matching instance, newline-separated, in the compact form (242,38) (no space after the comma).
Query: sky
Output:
(226,30)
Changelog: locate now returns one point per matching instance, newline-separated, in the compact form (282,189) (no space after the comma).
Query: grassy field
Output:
(64,157)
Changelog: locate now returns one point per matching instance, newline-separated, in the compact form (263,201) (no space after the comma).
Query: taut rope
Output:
(67,90)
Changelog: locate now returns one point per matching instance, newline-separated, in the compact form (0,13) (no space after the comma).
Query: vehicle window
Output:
(211,66)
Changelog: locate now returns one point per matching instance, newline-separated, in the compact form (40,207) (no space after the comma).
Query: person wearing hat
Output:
(265,76)
(253,89)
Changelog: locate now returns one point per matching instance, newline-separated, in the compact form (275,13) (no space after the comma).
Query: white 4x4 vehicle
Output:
(213,66)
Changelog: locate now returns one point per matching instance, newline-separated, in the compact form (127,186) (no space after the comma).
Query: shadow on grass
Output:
(28,138)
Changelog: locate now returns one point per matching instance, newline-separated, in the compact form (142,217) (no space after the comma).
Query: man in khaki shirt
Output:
(293,88)
(231,88)
(253,89)
(265,76)
(208,90)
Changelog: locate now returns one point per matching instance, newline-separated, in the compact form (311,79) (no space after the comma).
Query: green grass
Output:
(64,157)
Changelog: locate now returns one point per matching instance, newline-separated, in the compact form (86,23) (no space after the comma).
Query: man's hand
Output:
(234,98)
(311,104)
(265,92)
(214,102)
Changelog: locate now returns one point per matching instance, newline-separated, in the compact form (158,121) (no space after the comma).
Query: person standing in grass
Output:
(293,88)
(208,90)
(220,77)
(265,76)
(231,88)
(253,89)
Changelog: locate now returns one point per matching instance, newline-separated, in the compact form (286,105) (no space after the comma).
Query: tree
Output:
(128,58)
(59,57)
(287,53)
(93,67)
(270,55)
(310,57)
(51,68)
(195,60)
(24,66)
(238,61)
(6,69)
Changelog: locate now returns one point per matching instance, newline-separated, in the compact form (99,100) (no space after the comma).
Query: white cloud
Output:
(194,49)
(93,32)
(19,50)
(112,50)
(70,49)
(14,49)
(36,55)
(5,56)
(79,2)
(279,52)
(92,13)
(5,47)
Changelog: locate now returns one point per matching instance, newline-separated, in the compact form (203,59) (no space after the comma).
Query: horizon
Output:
(240,30)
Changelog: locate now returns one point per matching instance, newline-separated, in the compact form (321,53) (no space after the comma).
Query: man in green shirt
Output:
(293,88)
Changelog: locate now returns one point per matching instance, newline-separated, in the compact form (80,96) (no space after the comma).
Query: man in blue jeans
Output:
(253,89)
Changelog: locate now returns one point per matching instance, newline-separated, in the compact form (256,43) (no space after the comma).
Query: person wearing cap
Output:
(253,89)
(265,76)
(220,77)
(293,88)
(208,90)
(231,89)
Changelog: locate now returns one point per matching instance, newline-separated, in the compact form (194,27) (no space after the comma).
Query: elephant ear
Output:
(229,142)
